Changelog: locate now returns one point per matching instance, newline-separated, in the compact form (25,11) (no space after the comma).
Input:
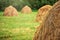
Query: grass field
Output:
(21,27)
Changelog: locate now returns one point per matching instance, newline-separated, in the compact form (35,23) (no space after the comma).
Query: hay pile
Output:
(50,28)
(42,13)
(26,9)
(10,11)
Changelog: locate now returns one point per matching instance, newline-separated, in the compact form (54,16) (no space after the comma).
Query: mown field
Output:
(20,27)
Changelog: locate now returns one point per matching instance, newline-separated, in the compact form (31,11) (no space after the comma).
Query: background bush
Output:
(18,4)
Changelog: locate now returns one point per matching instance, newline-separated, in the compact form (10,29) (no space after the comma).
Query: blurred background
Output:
(18,4)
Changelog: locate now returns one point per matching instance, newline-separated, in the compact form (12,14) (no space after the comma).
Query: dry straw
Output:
(26,9)
(50,28)
(42,13)
(10,11)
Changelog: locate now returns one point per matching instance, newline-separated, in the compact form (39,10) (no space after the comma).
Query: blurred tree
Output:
(18,4)
(36,4)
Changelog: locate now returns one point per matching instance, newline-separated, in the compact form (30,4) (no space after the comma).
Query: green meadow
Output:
(20,27)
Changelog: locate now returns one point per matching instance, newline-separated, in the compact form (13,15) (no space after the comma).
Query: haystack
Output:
(26,9)
(10,11)
(42,13)
(50,28)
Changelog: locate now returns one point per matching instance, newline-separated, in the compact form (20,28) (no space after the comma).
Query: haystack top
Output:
(26,6)
(26,9)
(10,7)
(10,11)
(49,6)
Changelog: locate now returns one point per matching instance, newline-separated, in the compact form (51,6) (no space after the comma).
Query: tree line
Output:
(19,4)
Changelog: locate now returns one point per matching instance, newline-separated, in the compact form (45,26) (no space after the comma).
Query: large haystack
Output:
(10,11)
(26,9)
(50,28)
(42,13)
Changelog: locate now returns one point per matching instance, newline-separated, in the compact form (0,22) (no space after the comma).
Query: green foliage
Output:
(36,4)
(18,4)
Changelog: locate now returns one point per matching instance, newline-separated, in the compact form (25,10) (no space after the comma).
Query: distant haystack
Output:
(50,28)
(42,13)
(26,9)
(10,11)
